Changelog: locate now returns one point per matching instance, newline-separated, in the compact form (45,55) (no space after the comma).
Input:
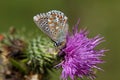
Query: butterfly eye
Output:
(57,44)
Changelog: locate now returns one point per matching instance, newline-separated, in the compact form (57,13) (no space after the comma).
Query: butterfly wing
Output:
(54,24)
(41,21)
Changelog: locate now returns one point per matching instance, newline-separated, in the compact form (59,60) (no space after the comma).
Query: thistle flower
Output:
(80,55)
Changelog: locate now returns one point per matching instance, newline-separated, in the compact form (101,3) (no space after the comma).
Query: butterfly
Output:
(54,24)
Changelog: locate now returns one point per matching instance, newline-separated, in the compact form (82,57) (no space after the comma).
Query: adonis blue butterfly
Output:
(54,24)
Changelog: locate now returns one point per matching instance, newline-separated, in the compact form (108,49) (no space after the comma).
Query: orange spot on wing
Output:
(60,17)
(51,18)
(50,22)
(53,14)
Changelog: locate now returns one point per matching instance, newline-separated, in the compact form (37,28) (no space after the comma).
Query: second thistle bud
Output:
(41,55)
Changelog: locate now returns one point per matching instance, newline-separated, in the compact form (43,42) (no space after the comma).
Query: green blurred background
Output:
(99,16)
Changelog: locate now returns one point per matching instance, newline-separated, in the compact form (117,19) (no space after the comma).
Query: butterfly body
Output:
(54,24)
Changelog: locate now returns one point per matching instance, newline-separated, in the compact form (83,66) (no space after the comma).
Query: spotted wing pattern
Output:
(53,23)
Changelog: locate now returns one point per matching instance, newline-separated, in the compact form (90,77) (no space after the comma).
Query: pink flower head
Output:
(80,55)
